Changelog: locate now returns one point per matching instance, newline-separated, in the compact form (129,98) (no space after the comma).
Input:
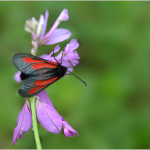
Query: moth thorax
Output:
(61,71)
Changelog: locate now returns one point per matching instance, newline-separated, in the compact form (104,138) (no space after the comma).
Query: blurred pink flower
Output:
(68,130)
(53,36)
(49,117)
(46,115)
(17,76)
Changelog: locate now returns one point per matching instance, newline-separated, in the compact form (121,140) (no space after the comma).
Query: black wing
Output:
(33,65)
(35,84)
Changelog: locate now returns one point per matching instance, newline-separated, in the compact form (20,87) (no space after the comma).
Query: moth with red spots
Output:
(37,73)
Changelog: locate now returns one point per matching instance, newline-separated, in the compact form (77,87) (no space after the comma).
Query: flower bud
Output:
(63,15)
(31,25)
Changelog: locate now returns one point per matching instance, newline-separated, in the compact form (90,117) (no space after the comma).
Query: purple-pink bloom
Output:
(46,115)
(69,56)
(70,53)
(53,36)
(24,122)
(49,117)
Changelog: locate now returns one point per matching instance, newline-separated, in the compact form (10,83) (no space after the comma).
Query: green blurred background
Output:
(114,110)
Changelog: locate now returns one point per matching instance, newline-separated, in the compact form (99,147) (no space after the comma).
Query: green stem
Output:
(34,51)
(34,119)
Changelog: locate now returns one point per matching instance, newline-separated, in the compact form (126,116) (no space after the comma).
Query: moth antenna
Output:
(54,57)
(80,65)
(78,78)
(62,56)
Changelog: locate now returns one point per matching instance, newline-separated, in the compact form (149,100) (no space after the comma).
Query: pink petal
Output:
(24,123)
(74,62)
(17,76)
(74,55)
(59,57)
(44,56)
(32,50)
(67,125)
(62,17)
(67,132)
(45,98)
(56,49)
(72,45)
(49,117)
(40,25)
(66,63)
(58,35)
(49,58)
(70,69)
(44,26)
(33,35)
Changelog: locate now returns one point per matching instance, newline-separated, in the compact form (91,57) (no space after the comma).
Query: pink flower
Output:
(46,115)
(70,53)
(54,35)
(69,56)
(49,117)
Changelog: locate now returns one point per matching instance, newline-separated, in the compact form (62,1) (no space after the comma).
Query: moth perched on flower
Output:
(39,72)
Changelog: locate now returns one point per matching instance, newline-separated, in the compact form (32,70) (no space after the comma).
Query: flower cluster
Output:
(45,111)
(47,116)
(53,36)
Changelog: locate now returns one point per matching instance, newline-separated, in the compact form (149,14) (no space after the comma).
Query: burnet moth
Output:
(38,73)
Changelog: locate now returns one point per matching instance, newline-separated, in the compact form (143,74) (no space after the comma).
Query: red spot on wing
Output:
(38,64)
(42,65)
(30,60)
(45,82)
(33,90)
